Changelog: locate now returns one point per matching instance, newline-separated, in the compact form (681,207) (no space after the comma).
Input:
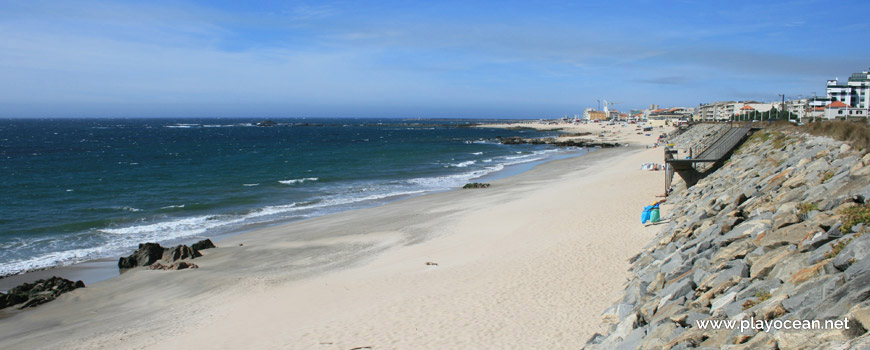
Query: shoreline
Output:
(515,235)
(100,269)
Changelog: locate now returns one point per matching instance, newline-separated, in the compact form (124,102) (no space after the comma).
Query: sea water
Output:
(83,189)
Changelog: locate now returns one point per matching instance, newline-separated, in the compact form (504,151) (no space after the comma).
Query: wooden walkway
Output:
(717,153)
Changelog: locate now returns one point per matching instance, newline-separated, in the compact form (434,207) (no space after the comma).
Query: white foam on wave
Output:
(477,153)
(296,181)
(173,206)
(250,185)
(128,209)
(463,164)
(121,240)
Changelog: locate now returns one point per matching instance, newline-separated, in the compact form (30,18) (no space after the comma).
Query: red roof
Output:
(818,108)
(746,108)
(837,104)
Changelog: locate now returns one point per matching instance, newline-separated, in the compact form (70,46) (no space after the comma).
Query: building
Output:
(854,93)
(725,110)
(595,115)
(840,110)
(670,116)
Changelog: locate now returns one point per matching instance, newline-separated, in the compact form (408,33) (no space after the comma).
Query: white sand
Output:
(629,133)
(529,263)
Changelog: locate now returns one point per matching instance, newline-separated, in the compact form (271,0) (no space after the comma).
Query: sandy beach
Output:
(530,262)
(600,132)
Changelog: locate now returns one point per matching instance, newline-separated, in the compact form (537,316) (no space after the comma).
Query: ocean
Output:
(82,189)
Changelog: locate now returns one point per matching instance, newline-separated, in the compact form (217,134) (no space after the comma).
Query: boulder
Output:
(749,229)
(764,264)
(39,292)
(856,250)
(792,234)
(202,245)
(180,252)
(820,238)
(147,254)
(736,250)
(179,265)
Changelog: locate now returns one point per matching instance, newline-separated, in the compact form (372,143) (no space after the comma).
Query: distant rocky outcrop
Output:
(516,140)
(266,122)
(150,253)
(777,235)
(39,292)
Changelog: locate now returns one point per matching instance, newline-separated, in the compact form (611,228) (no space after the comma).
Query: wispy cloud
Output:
(438,56)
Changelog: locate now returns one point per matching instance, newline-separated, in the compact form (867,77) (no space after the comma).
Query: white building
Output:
(855,93)
(725,110)
(840,110)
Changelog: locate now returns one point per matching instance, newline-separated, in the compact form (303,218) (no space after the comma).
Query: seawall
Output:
(776,235)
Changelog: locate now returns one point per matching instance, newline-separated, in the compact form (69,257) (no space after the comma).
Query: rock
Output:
(856,250)
(180,252)
(38,292)
(858,268)
(808,272)
(722,301)
(203,245)
(792,234)
(657,283)
(860,314)
(677,289)
(729,270)
(736,250)
(819,239)
(596,338)
(840,301)
(627,325)
(759,287)
(771,309)
(659,336)
(616,314)
(475,185)
(749,229)
(760,340)
(810,293)
(633,340)
(764,264)
(147,254)
(179,265)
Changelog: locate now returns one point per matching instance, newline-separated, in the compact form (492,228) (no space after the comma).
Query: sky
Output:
(429,59)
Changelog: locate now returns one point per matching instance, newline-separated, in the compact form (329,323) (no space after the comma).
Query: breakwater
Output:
(774,237)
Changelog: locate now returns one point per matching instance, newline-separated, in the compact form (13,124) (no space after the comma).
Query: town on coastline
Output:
(847,101)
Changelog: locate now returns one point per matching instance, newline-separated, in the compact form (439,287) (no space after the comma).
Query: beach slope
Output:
(527,263)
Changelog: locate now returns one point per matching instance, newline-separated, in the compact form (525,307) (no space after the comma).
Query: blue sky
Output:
(415,59)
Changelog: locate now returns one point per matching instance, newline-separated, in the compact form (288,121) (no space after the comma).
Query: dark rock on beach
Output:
(475,185)
(147,254)
(39,292)
(150,253)
(516,140)
(202,245)
(180,265)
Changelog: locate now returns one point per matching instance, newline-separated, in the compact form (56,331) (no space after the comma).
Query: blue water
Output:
(76,190)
